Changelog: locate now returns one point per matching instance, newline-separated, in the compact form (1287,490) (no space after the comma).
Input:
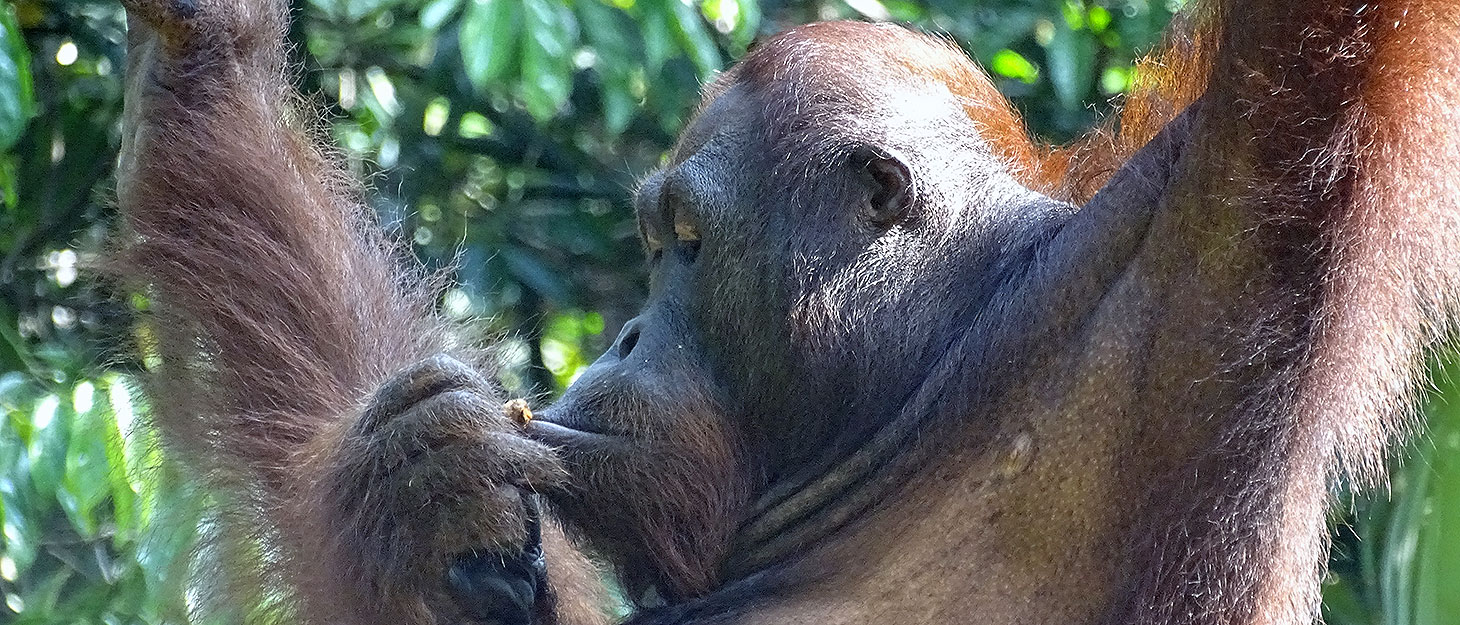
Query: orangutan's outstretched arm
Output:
(278,309)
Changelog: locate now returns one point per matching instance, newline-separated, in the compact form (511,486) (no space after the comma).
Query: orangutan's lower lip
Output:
(556,435)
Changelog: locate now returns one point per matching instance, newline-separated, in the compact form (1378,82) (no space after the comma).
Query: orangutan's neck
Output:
(1056,516)
(1013,533)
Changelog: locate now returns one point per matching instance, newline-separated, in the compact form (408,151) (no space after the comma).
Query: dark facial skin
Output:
(649,430)
(776,257)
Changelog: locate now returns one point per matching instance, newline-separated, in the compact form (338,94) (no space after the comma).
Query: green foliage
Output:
(17,99)
(502,138)
(1399,561)
(17,102)
(96,527)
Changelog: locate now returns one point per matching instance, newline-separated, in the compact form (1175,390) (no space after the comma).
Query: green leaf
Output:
(1099,18)
(163,550)
(87,480)
(1341,605)
(437,12)
(547,57)
(1116,79)
(655,16)
(1397,565)
(20,537)
(527,269)
(1436,598)
(351,10)
(1070,57)
(14,353)
(9,182)
(47,449)
(489,36)
(619,104)
(1074,13)
(563,342)
(606,29)
(695,39)
(748,25)
(17,97)
(119,477)
(1011,64)
(1013,26)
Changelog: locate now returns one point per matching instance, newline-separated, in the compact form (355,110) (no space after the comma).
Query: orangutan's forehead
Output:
(834,78)
(729,113)
(851,56)
(808,74)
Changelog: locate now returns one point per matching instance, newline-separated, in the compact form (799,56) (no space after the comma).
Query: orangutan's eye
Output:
(688,237)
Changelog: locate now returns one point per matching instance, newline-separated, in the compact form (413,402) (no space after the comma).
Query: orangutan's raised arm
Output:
(277,309)
(1302,253)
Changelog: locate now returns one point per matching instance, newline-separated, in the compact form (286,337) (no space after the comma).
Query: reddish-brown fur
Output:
(276,308)
(1332,125)
(1329,132)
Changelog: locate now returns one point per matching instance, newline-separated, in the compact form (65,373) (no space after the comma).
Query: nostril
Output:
(627,342)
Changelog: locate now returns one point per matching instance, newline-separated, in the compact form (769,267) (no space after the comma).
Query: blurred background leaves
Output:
(502,137)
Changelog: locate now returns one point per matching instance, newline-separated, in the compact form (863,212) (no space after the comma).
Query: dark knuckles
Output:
(503,588)
(425,403)
(420,382)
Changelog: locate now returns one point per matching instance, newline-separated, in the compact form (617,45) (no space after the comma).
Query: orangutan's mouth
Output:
(552,428)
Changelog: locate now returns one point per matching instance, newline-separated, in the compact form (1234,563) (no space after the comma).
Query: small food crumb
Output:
(518,412)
